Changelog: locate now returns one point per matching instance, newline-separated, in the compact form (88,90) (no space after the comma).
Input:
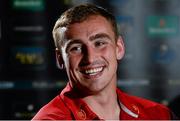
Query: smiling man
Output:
(88,47)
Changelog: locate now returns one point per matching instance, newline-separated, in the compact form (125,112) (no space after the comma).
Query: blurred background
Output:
(29,77)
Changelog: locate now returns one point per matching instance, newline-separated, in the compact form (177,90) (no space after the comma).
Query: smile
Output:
(93,71)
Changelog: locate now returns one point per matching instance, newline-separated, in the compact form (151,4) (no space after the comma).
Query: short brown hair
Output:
(79,14)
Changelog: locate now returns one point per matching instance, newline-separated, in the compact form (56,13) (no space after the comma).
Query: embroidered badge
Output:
(81,114)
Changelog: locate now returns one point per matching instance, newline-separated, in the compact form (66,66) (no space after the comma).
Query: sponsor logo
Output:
(28,57)
(6,84)
(162,26)
(31,84)
(125,24)
(28,28)
(30,32)
(32,5)
(163,54)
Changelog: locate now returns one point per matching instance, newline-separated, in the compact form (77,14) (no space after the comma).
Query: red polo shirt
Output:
(68,106)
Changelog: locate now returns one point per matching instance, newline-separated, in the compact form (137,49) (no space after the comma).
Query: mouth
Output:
(92,71)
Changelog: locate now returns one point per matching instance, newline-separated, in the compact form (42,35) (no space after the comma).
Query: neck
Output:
(104,104)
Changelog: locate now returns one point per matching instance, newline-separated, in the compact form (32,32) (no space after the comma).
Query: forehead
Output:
(92,25)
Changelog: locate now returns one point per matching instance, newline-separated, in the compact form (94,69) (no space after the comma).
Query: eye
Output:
(100,43)
(75,49)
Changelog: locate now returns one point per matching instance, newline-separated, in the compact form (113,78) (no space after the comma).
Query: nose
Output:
(90,55)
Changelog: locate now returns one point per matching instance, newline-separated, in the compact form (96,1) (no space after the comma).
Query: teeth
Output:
(93,71)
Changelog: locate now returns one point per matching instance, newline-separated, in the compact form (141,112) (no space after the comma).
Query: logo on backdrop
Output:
(28,58)
(30,5)
(162,26)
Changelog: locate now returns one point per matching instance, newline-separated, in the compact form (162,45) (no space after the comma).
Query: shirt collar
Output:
(81,110)
(78,107)
(127,105)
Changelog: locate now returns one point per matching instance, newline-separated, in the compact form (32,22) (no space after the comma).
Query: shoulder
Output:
(55,109)
(144,107)
(153,109)
(148,104)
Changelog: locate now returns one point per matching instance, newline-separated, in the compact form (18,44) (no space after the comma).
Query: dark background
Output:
(29,77)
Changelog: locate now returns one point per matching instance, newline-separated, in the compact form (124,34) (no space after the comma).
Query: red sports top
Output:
(67,106)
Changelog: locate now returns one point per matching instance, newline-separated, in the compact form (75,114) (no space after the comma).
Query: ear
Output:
(120,50)
(59,59)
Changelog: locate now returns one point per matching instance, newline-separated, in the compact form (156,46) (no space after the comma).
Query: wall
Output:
(29,77)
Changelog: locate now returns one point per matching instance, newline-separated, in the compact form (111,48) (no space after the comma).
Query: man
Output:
(88,47)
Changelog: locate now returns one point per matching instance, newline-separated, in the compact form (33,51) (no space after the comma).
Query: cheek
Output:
(73,62)
(109,52)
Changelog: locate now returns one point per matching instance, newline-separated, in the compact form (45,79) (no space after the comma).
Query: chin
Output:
(96,89)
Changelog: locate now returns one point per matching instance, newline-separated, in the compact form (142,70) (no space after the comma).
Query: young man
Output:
(89,48)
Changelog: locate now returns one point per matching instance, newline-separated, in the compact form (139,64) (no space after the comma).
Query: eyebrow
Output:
(76,41)
(93,37)
(99,35)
